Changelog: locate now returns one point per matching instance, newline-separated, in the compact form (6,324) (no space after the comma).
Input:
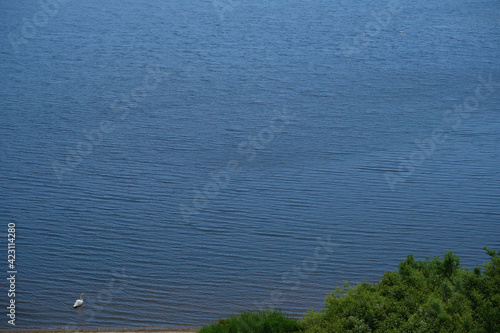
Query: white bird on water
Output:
(79,302)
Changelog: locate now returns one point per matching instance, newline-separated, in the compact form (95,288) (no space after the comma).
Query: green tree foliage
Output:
(435,295)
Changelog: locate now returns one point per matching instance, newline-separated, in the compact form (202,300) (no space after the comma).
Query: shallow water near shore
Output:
(180,162)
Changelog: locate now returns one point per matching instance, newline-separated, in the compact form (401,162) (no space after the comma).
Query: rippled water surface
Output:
(181,161)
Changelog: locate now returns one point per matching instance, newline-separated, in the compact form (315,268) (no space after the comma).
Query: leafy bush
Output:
(267,321)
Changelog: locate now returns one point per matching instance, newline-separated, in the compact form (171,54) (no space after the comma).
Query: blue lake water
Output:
(178,162)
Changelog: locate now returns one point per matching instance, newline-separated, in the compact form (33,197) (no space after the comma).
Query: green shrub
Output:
(267,321)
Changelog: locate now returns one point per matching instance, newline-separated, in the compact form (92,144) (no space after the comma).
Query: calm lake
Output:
(180,161)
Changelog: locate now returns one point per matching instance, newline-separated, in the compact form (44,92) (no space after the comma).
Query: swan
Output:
(79,302)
